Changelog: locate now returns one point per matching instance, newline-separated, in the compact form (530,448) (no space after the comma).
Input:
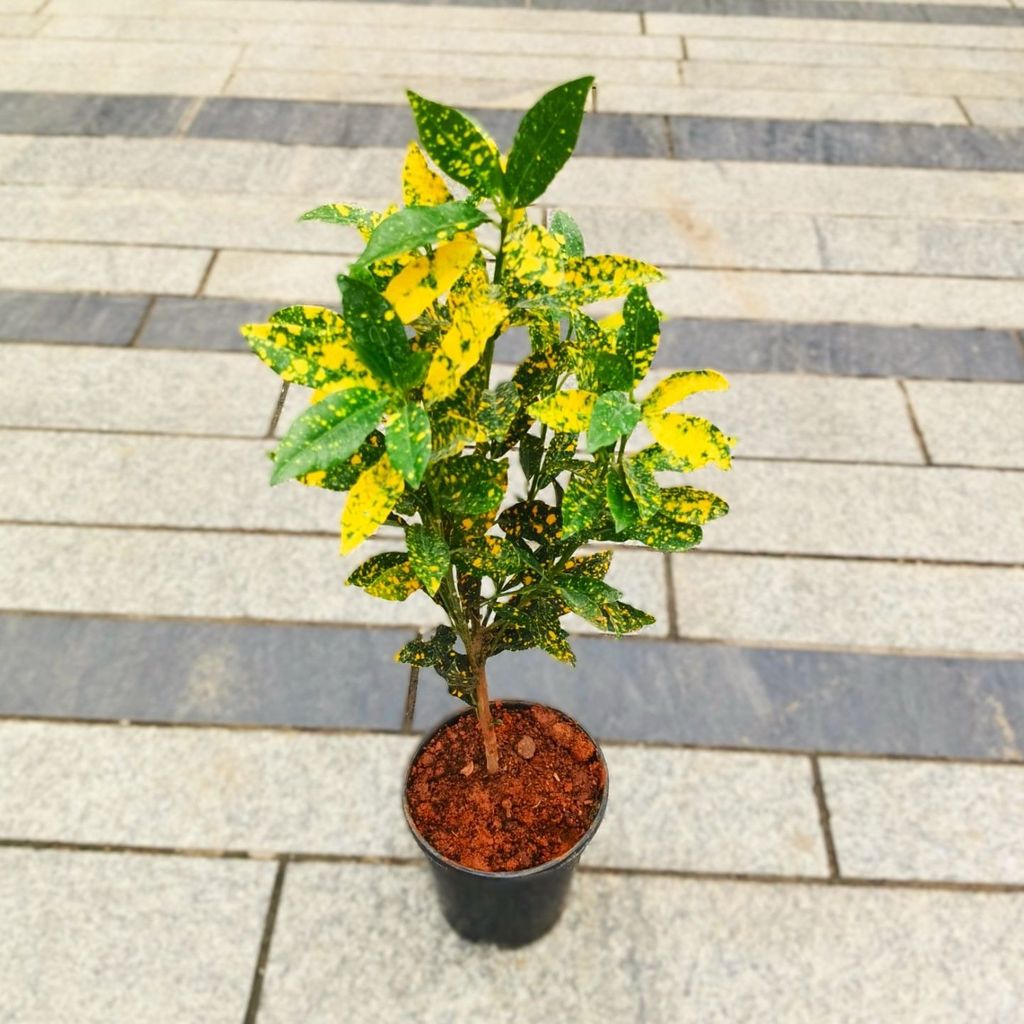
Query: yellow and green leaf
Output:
(340,476)
(615,415)
(494,557)
(388,575)
(687,504)
(470,484)
(341,213)
(416,226)
(408,442)
(369,503)
(426,278)
(623,353)
(429,557)
(565,411)
(584,499)
(691,440)
(421,186)
(532,520)
(532,261)
(498,408)
(678,386)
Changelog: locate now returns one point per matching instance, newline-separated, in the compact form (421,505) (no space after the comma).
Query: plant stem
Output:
(483,707)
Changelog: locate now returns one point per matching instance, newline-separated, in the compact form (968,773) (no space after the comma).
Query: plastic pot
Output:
(506,908)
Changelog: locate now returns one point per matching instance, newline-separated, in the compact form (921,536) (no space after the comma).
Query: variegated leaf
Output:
(340,213)
(429,557)
(566,229)
(594,566)
(532,261)
(584,500)
(424,653)
(494,557)
(687,504)
(532,520)
(342,475)
(534,623)
(498,408)
(643,485)
(693,441)
(420,185)
(408,441)
(470,484)
(623,357)
(681,385)
(426,278)
(592,278)
(665,534)
(621,503)
(387,575)
(615,415)
(565,411)
(369,503)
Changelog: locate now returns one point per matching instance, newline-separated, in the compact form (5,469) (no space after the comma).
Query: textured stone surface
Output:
(860,605)
(112,389)
(42,113)
(670,949)
(209,789)
(83,667)
(944,822)
(725,695)
(970,424)
(63,317)
(100,937)
(201,323)
(688,810)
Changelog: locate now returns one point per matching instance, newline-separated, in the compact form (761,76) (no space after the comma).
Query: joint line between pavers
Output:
(256,989)
(141,325)
(206,273)
(915,426)
(825,819)
(963,110)
(189,115)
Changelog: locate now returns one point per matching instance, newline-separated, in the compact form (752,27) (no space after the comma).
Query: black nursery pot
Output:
(506,908)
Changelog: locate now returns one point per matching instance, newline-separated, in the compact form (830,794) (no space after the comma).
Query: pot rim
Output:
(549,865)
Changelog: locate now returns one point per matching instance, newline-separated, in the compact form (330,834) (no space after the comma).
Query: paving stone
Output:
(971,424)
(857,350)
(67,317)
(941,822)
(715,695)
(671,949)
(681,796)
(203,323)
(998,112)
(183,933)
(879,606)
(128,390)
(43,113)
(216,789)
(199,672)
(247,275)
(56,266)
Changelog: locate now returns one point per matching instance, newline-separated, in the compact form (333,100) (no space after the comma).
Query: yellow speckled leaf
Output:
(692,440)
(678,386)
(592,278)
(533,259)
(475,314)
(420,185)
(687,504)
(427,277)
(566,411)
(369,503)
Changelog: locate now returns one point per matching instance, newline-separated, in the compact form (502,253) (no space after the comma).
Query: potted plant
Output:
(499,484)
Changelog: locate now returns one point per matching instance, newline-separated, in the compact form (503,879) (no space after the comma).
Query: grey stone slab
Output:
(202,323)
(950,147)
(99,938)
(632,949)
(67,317)
(930,822)
(736,696)
(58,666)
(41,113)
(206,789)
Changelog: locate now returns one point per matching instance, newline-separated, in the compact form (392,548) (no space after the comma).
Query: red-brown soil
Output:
(534,809)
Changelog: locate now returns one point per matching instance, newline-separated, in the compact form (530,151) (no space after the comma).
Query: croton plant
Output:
(416,414)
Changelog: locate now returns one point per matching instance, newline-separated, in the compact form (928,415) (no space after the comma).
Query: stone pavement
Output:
(817,755)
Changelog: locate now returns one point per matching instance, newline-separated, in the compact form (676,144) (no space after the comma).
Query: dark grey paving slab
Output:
(852,143)
(202,323)
(707,694)
(65,317)
(44,113)
(843,350)
(82,667)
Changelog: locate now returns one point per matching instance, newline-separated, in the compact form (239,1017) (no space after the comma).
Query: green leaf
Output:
(408,437)
(562,224)
(414,226)
(533,623)
(664,533)
(585,498)
(328,432)
(424,653)
(621,502)
(498,408)
(585,595)
(531,451)
(615,415)
(625,364)
(544,141)
(378,336)
(340,213)
(490,556)
(689,505)
(560,456)
(643,485)
(594,566)
(536,375)
(429,557)
(619,618)
(387,575)
(532,520)
(342,475)
(470,484)
(462,149)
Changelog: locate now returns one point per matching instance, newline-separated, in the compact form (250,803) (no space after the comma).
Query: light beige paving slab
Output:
(101,937)
(694,236)
(156,391)
(361,37)
(849,298)
(313,174)
(795,105)
(877,606)
(255,275)
(632,949)
(171,217)
(20,25)
(385,14)
(115,78)
(152,52)
(1001,113)
(686,810)
(896,512)
(926,822)
(55,266)
(208,789)
(999,37)
(860,55)
(913,81)
(19,6)
(975,424)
